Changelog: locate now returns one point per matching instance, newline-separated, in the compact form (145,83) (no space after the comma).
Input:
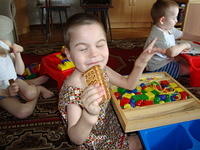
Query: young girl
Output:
(164,15)
(12,64)
(92,125)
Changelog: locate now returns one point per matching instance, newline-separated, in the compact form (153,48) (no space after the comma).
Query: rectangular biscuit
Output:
(95,75)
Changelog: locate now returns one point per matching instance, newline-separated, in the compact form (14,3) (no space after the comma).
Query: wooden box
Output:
(138,118)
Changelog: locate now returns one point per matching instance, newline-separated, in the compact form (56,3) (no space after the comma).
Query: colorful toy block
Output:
(65,63)
(154,92)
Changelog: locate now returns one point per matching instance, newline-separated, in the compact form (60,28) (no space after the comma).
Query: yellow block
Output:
(150,95)
(127,95)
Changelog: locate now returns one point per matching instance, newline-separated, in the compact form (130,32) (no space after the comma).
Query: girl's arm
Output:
(131,81)
(80,124)
(82,120)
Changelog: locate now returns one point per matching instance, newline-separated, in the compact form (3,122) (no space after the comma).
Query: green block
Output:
(168,99)
(155,92)
(143,91)
(31,76)
(144,97)
(136,97)
(154,83)
(121,90)
(156,100)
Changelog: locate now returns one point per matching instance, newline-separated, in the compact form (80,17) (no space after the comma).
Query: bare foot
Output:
(134,142)
(45,92)
(39,80)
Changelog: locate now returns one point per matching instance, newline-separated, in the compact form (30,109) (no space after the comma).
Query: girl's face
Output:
(170,20)
(88,47)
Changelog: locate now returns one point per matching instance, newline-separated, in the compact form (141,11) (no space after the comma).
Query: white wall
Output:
(34,11)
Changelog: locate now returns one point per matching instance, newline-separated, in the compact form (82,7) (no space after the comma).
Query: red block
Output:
(164,82)
(124,101)
(49,65)
(117,95)
(139,103)
(138,93)
(184,95)
(159,87)
(147,103)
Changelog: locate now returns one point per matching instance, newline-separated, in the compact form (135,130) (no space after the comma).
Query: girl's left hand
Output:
(146,55)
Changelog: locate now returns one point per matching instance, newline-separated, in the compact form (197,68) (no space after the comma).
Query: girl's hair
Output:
(78,20)
(160,8)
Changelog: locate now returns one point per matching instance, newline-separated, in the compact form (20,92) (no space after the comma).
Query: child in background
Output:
(13,89)
(164,14)
(92,125)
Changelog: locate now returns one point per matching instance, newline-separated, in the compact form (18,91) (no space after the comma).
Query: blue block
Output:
(180,136)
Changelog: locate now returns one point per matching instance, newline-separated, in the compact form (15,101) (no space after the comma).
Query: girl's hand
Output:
(13,89)
(16,48)
(147,53)
(91,98)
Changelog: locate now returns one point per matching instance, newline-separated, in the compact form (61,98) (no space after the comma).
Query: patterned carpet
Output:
(44,129)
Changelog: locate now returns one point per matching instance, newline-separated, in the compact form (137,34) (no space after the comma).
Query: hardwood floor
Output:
(37,35)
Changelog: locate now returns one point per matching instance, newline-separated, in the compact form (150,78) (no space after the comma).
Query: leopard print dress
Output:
(106,134)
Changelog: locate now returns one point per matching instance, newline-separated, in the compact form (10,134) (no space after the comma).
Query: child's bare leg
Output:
(29,92)
(18,109)
(39,80)
(134,142)
(45,92)
(26,91)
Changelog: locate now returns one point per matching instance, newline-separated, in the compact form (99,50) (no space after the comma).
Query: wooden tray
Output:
(139,118)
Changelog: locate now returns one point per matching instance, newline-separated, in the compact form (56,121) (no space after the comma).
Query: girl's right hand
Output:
(13,89)
(91,98)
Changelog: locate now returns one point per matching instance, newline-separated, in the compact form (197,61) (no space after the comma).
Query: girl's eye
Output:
(100,45)
(83,49)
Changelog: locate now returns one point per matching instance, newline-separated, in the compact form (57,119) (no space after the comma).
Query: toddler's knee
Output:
(24,113)
(31,94)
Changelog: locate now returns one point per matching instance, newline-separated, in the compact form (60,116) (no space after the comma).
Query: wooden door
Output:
(131,13)
(121,13)
(142,10)
(192,21)
(141,17)
(22,20)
